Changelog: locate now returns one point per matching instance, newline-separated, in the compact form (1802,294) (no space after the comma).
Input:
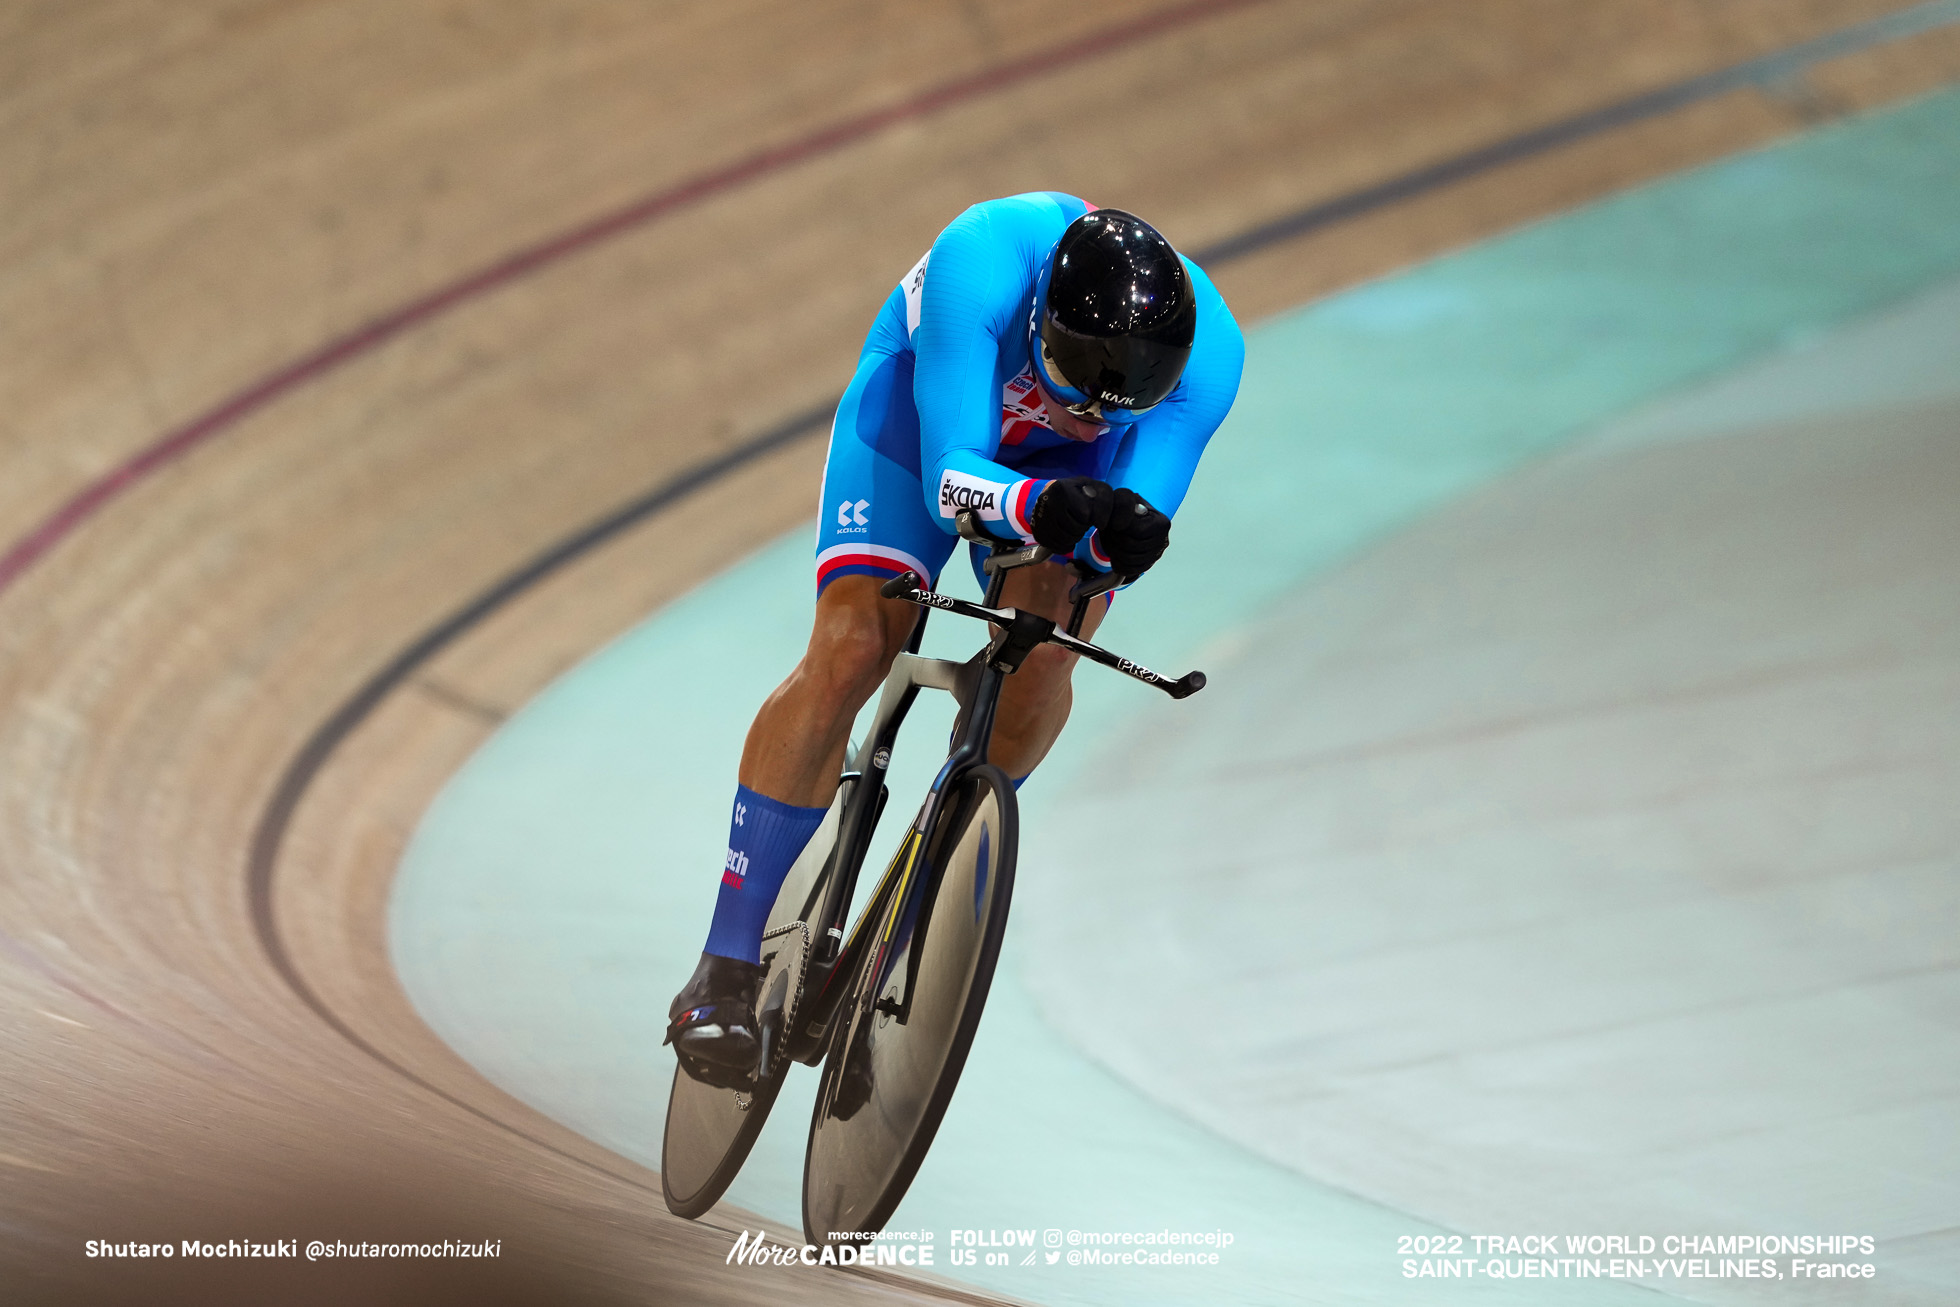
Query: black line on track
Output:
(1765,70)
(277,817)
(312,758)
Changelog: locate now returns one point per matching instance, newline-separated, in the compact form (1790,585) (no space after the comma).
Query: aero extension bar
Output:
(1020,632)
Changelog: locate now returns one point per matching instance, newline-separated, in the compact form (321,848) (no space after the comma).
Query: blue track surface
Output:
(557,891)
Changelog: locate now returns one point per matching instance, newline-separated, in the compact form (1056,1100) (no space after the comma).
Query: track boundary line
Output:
(276,817)
(1762,71)
(180,440)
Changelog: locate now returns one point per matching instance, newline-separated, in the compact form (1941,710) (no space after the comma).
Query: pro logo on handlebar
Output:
(1140,672)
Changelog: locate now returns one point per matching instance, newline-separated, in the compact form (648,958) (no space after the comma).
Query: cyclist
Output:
(1056,368)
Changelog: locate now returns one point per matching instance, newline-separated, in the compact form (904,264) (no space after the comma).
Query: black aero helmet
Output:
(1114,315)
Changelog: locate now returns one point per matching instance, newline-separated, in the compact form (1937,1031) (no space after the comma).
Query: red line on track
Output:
(180,440)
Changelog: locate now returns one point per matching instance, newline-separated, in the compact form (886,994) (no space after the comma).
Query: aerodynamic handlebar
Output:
(908,586)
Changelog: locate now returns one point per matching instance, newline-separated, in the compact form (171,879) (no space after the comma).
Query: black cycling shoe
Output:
(711,1023)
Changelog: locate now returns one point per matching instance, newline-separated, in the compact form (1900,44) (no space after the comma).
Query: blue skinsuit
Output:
(941,413)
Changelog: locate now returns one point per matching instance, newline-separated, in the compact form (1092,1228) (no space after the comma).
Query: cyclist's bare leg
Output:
(794,751)
(795,747)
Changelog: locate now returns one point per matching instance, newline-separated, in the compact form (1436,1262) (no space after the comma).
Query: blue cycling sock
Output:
(764,840)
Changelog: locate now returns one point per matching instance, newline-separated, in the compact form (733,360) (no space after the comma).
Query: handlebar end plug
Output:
(899,584)
(1191,683)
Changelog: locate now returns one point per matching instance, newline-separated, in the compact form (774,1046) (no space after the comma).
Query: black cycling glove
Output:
(1067,510)
(1136,534)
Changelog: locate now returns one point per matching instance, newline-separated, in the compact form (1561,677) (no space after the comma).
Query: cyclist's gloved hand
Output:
(1136,534)
(1069,509)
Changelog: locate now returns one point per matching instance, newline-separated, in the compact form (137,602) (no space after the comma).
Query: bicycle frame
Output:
(975,685)
(825,984)
(976,688)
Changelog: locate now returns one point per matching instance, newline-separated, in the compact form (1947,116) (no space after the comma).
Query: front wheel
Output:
(903,1030)
(709,1130)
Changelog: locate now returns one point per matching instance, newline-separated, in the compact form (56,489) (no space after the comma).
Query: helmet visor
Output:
(1103,406)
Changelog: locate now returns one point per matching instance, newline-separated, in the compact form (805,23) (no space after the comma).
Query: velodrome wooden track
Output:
(200,809)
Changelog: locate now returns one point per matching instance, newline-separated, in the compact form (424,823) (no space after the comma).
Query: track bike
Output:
(889,1009)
